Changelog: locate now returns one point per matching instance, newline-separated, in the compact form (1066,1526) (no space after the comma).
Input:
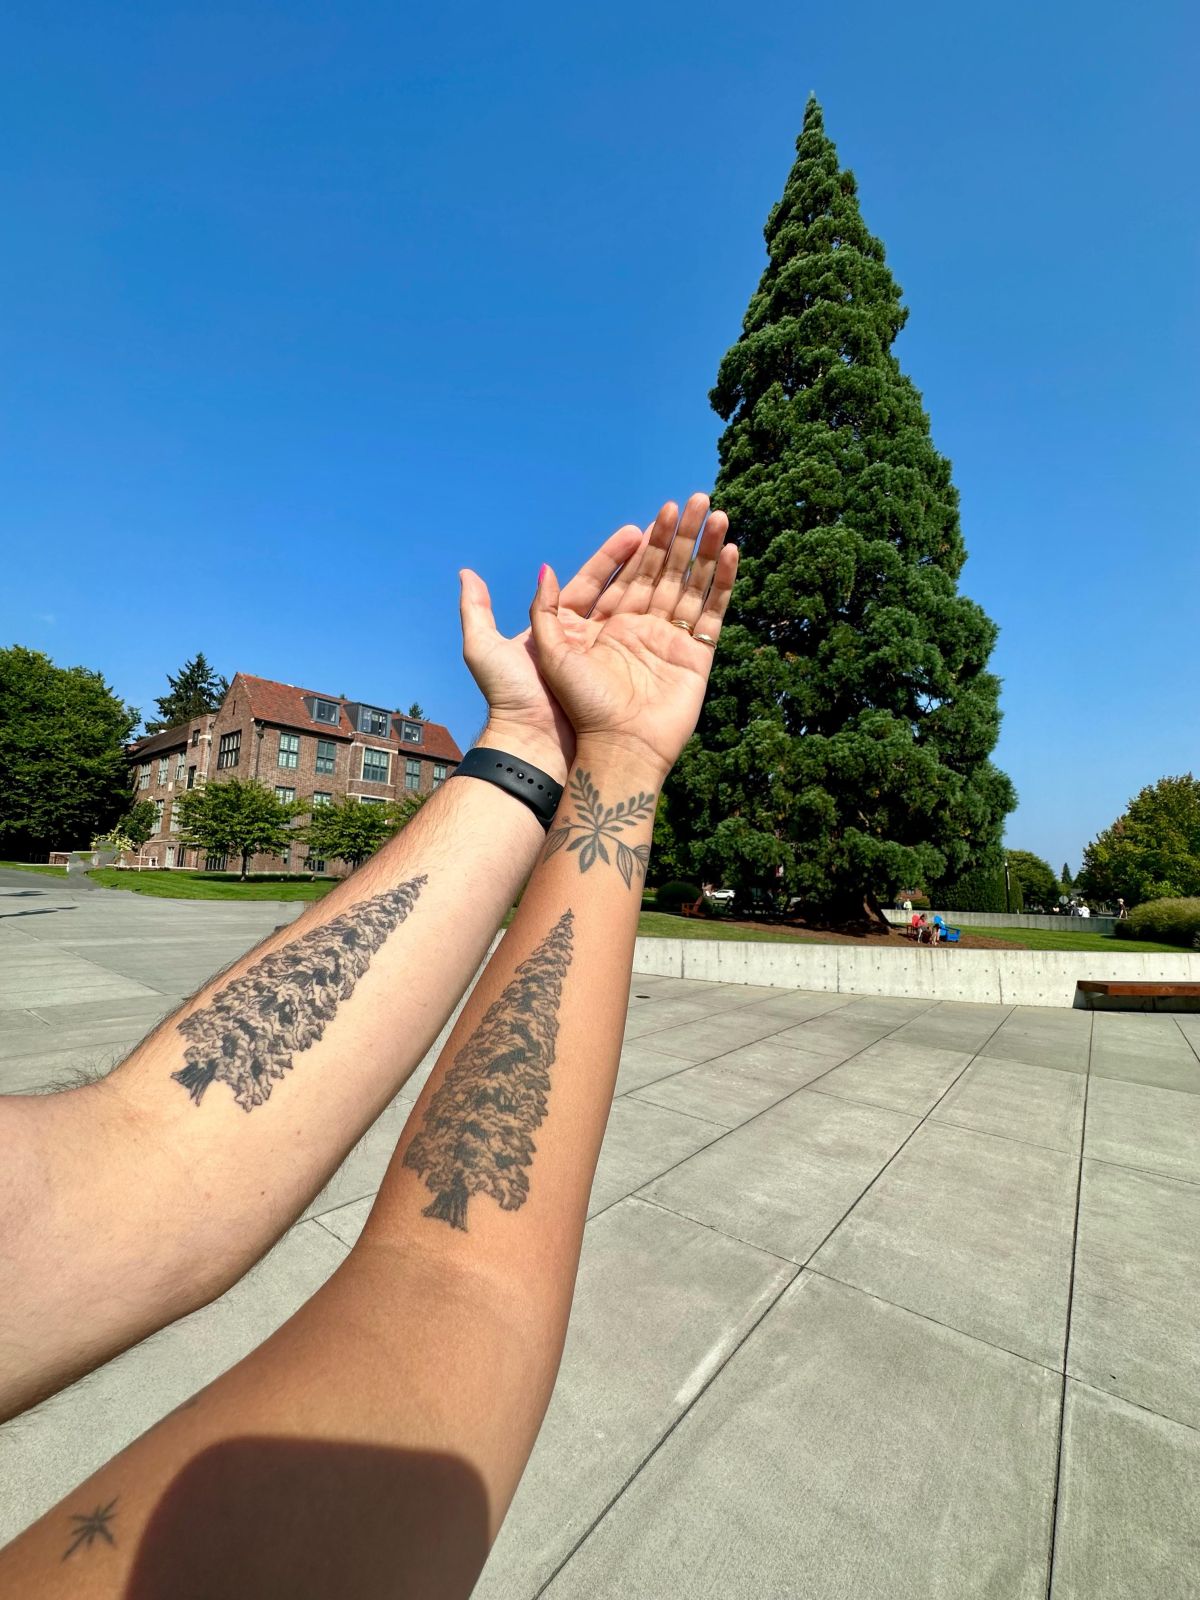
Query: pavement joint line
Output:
(744,1005)
(1187,1037)
(329,1231)
(1062,1399)
(684,1412)
(632,1094)
(897,1305)
(1136,1405)
(944,1122)
(1148,1172)
(800,1090)
(644,1200)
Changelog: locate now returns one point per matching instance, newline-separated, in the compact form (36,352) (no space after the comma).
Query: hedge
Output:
(672,896)
(1165,921)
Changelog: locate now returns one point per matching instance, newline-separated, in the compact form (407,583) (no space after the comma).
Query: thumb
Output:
(548,635)
(475,613)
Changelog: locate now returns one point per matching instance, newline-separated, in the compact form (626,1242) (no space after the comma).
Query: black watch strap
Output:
(516,777)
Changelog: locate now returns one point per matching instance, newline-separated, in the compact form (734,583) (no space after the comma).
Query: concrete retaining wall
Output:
(1003,977)
(1010,919)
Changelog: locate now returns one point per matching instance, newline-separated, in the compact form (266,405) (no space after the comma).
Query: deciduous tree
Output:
(1152,851)
(63,777)
(236,817)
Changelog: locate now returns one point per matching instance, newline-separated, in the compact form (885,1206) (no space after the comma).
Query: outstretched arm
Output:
(127,1203)
(371,1446)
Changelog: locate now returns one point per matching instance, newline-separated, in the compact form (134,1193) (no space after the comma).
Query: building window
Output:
(164,763)
(289,749)
(180,765)
(321,797)
(159,808)
(375,766)
(371,800)
(410,732)
(170,828)
(326,755)
(191,777)
(315,864)
(373,722)
(285,793)
(195,737)
(439,774)
(215,863)
(144,775)
(286,858)
(326,711)
(229,749)
(412,774)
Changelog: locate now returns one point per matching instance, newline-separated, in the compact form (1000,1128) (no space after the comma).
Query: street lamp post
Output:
(1007,889)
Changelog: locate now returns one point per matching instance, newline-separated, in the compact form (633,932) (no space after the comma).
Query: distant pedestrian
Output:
(907,907)
(1084,911)
(1122,909)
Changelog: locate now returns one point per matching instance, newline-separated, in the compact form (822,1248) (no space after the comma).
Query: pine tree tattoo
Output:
(476,1135)
(248,1035)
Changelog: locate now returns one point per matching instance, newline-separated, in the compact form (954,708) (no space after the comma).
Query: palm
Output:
(635,677)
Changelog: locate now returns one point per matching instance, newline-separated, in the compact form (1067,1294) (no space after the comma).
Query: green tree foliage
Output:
(236,818)
(347,831)
(1150,852)
(1039,886)
(416,711)
(1066,879)
(138,823)
(195,690)
(851,716)
(63,777)
(982,889)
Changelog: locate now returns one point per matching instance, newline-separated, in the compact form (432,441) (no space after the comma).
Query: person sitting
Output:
(937,929)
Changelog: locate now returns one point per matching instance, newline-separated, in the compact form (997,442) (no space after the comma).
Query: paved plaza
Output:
(879,1298)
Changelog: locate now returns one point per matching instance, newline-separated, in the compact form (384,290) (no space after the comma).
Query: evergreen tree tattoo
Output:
(248,1035)
(595,822)
(91,1526)
(476,1135)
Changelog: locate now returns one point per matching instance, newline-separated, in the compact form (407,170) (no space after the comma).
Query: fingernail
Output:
(541,573)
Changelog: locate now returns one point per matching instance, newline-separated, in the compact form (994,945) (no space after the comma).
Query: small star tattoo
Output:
(90,1527)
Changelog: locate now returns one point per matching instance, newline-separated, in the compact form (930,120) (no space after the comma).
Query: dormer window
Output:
(326,711)
(372,722)
(410,732)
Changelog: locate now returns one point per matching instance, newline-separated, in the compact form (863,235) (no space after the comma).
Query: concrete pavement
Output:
(879,1297)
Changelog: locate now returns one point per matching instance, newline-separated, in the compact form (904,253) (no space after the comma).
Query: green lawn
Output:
(35,866)
(1052,939)
(181,885)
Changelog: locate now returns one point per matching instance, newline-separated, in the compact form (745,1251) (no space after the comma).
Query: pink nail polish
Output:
(541,574)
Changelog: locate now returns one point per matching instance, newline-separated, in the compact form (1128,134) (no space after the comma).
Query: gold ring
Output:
(705,638)
(678,622)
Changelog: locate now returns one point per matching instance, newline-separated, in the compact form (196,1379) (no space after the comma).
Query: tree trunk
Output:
(245,864)
(450,1206)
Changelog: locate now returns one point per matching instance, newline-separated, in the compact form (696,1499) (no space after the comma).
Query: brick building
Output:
(309,747)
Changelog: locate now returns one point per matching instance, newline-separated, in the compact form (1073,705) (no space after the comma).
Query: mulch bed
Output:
(890,937)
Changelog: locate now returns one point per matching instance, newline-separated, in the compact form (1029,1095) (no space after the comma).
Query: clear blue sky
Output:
(304,307)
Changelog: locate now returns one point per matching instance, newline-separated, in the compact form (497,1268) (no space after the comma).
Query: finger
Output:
(674,569)
(610,600)
(475,613)
(690,604)
(640,587)
(717,603)
(589,583)
(548,637)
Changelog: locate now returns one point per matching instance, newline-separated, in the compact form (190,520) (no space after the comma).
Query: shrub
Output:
(672,896)
(1166,921)
(981,890)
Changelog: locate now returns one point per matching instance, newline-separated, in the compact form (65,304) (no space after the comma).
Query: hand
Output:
(522,713)
(632,678)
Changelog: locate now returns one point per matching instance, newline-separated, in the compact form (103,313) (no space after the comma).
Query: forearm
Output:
(423,1368)
(138,1198)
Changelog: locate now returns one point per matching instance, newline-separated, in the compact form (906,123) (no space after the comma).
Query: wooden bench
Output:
(1118,994)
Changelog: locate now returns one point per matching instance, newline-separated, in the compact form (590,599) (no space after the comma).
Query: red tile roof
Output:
(284,703)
